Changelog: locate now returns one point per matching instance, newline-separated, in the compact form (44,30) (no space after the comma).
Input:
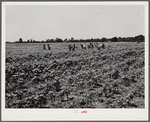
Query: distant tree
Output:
(97,40)
(72,39)
(28,41)
(47,40)
(58,40)
(65,40)
(51,40)
(8,42)
(34,41)
(114,39)
(119,39)
(139,38)
(31,40)
(20,40)
(103,40)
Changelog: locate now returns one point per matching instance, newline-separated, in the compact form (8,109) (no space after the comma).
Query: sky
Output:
(41,22)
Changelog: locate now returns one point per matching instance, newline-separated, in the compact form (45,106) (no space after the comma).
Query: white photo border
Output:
(68,114)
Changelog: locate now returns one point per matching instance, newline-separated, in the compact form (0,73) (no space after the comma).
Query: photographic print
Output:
(75,57)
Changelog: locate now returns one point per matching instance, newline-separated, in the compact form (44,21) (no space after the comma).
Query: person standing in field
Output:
(44,47)
(49,47)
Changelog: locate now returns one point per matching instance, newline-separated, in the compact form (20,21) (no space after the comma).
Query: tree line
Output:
(140,38)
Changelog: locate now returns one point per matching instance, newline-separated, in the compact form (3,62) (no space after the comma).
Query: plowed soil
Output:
(58,78)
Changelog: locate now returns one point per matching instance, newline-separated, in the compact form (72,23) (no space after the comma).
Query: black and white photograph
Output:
(86,58)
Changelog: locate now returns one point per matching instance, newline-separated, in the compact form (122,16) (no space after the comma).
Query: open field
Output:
(58,78)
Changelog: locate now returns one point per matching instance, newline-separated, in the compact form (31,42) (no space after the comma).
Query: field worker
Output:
(44,47)
(73,47)
(91,45)
(70,47)
(103,46)
(83,46)
(49,47)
